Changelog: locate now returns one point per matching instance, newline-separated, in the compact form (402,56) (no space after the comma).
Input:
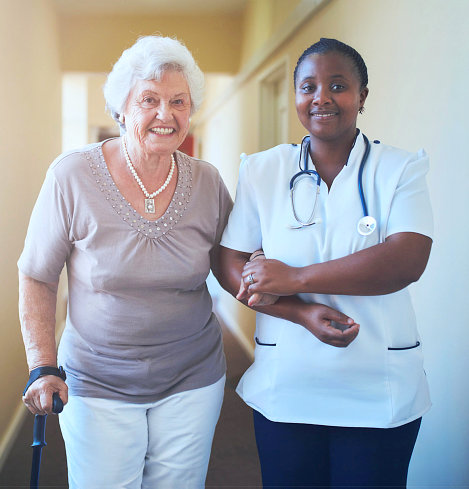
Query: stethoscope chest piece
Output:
(366,225)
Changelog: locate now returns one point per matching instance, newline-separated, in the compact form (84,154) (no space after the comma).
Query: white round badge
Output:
(366,225)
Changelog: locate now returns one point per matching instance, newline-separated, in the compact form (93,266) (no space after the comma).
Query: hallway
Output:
(415,52)
(234,462)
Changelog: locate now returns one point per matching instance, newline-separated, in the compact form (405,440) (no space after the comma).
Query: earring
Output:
(121,118)
(361,110)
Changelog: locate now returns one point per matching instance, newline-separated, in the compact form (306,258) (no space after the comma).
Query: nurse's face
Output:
(328,96)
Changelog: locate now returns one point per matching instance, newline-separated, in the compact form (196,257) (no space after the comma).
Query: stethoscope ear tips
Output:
(366,225)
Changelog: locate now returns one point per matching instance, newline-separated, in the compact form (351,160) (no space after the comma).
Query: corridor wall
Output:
(30,138)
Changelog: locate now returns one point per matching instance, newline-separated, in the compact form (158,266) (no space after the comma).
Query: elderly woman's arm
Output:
(316,318)
(37,305)
(381,269)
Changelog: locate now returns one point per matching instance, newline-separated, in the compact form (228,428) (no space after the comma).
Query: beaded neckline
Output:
(151,229)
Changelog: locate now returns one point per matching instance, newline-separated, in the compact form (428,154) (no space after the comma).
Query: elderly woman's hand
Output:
(270,277)
(38,398)
(255,299)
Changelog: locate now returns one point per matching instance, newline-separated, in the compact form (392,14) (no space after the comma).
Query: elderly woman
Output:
(138,225)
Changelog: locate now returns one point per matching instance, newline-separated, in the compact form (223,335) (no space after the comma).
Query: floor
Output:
(233,464)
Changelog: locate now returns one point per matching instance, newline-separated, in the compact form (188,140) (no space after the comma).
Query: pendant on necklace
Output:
(150,206)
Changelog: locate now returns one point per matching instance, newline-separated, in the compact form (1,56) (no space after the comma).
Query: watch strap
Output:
(41,372)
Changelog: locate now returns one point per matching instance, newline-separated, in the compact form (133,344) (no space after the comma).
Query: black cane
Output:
(39,439)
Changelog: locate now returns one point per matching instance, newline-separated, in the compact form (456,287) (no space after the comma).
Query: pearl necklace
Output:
(149,201)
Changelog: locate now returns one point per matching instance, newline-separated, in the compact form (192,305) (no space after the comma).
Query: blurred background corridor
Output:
(55,56)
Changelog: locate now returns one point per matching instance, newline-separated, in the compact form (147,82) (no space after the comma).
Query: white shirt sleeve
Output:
(410,207)
(243,232)
(47,245)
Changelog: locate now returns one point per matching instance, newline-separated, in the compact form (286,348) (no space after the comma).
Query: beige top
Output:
(140,325)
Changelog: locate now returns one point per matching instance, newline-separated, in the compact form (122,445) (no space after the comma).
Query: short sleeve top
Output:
(378,380)
(139,322)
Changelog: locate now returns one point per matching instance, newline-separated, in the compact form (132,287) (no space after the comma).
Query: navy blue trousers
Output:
(305,455)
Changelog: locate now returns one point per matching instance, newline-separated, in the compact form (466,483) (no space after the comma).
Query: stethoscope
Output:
(365,226)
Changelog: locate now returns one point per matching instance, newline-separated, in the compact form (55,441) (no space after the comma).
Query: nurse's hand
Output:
(254,299)
(320,320)
(270,277)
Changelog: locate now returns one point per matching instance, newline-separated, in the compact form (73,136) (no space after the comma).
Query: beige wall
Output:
(30,139)
(257,27)
(97,115)
(261,20)
(94,44)
(281,9)
(417,53)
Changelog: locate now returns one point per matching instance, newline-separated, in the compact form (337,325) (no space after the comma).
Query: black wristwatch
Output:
(41,372)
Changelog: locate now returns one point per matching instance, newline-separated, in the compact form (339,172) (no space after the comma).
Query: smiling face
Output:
(328,96)
(157,114)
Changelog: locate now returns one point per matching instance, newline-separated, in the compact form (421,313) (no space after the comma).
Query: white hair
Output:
(148,59)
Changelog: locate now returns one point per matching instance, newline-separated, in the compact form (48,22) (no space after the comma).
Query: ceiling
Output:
(151,7)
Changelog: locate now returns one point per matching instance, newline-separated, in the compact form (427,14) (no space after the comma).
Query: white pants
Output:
(160,445)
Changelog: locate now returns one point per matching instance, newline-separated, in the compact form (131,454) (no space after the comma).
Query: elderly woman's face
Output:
(157,114)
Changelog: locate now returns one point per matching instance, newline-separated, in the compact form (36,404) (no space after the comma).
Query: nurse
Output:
(337,401)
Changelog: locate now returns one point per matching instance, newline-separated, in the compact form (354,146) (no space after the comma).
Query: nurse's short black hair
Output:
(324,46)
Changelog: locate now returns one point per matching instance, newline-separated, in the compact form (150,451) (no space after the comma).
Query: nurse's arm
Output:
(316,318)
(381,269)
(37,305)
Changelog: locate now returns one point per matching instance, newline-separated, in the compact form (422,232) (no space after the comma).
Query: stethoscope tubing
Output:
(360,176)
(304,151)
(310,221)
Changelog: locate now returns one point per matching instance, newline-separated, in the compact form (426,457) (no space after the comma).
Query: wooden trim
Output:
(11,433)
(232,325)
